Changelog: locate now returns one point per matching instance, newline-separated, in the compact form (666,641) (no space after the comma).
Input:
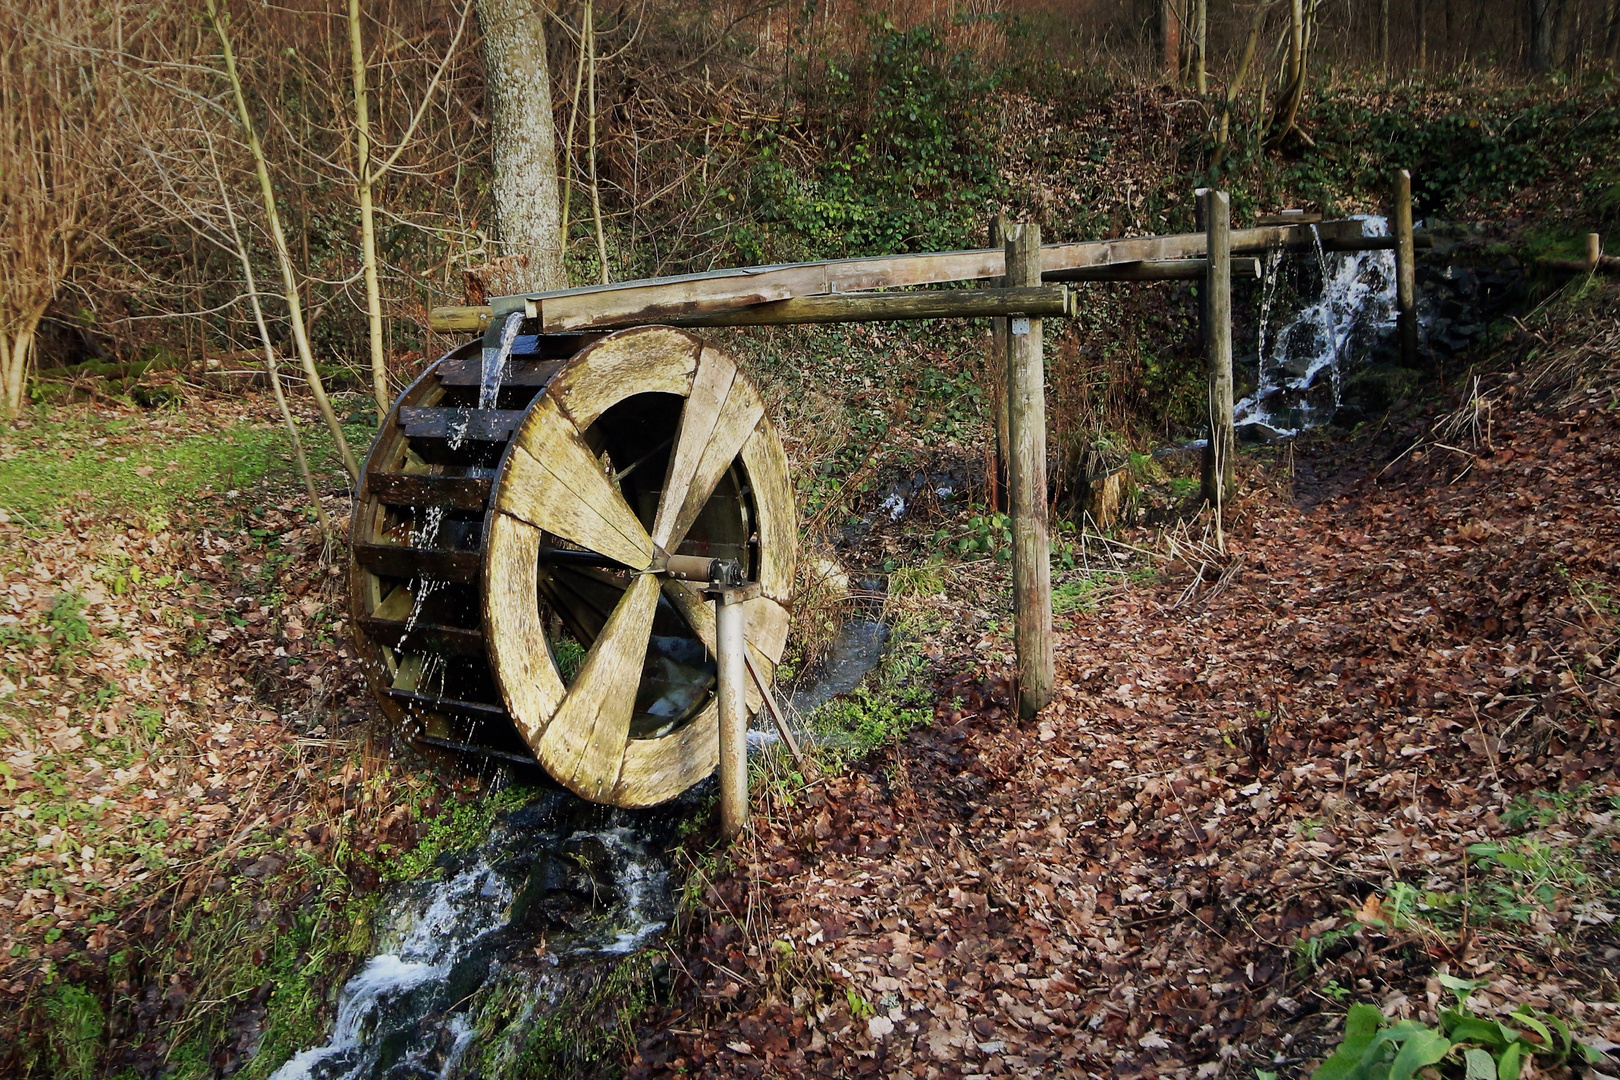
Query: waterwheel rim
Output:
(553,493)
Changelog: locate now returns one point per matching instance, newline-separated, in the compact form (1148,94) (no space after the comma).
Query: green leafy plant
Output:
(66,618)
(987,534)
(1463,1047)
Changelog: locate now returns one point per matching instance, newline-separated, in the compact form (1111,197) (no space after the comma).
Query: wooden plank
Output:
(584,744)
(425,636)
(519,655)
(710,385)
(553,481)
(471,425)
(997,388)
(1167,270)
(656,770)
(1220,468)
(890,307)
(527,374)
(665,301)
(400,561)
(699,299)
(1032,551)
(429,703)
(776,519)
(429,489)
(722,419)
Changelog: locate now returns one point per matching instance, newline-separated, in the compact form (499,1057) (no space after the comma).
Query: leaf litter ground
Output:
(1371,744)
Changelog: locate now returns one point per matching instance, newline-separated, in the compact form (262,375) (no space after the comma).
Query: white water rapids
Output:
(412,1009)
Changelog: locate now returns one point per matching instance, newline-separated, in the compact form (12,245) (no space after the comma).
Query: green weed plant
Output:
(1463,1046)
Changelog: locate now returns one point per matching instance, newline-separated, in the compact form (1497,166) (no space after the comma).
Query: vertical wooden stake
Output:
(1594,249)
(1026,414)
(731,650)
(997,375)
(1405,270)
(1220,468)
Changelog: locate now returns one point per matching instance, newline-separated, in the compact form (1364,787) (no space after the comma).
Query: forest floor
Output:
(1369,745)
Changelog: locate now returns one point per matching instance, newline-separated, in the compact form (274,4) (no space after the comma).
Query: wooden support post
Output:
(997,377)
(1405,270)
(1594,249)
(1026,414)
(1220,470)
(731,650)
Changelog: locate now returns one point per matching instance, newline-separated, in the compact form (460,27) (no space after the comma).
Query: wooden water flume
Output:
(518,585)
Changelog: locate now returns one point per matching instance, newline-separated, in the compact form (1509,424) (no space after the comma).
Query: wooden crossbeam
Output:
(707,299)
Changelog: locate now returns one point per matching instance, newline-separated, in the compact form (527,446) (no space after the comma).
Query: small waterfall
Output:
(493,369)
(491,372)
(1301,364)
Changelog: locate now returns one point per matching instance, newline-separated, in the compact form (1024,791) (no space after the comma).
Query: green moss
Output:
(585,1033)
(458,826)
(895,698)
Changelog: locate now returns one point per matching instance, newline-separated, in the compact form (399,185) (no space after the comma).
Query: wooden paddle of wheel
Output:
(642,445)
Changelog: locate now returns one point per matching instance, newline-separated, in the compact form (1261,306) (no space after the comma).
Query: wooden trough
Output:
(540,513)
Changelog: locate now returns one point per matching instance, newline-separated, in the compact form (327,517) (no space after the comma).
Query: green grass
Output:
(123,465)
(77,1025)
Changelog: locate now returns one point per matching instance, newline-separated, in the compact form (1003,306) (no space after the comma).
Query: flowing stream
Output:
(558,891)
(468,965)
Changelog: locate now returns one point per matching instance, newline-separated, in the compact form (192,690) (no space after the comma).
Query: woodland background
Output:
(713,134)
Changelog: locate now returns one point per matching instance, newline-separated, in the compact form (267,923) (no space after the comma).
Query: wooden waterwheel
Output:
(510,587)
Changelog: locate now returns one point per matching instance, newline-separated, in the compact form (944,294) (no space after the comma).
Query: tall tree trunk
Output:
(1541,27)
(525,156)
(1170,39)
(1420,15)
(1201,45)
(1383,33)
(368,228)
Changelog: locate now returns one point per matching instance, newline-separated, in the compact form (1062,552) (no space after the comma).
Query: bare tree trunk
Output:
(368,230)
(1201,45)
(1288,104)
(1170,39)
(596,189)
(1223,133)
(1541,26)
(272,369)
(525,154)
(1383,34)
(295,307)
(1420,15)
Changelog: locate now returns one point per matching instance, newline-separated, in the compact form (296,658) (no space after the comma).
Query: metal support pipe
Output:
(731,649)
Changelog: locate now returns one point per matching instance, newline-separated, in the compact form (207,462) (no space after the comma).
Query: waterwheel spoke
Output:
(554,482)
(583,746)
(720,414)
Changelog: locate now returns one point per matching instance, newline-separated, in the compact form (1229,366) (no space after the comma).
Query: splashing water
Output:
(451,948)
(406,981)
(1302,363)
(424,537)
